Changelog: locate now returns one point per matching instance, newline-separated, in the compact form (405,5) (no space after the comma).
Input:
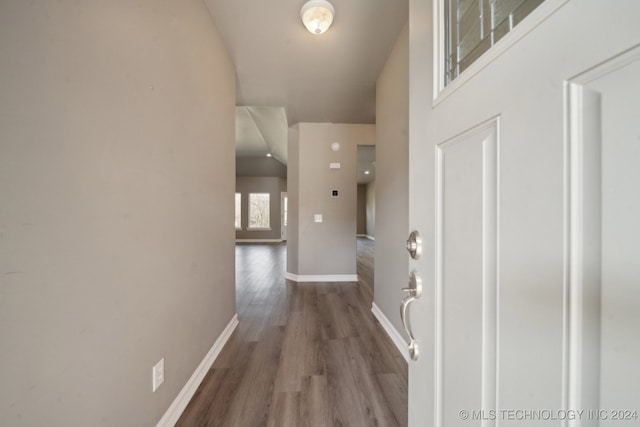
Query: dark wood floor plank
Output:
(304,354)
(327,326)
(394,388)
(314,345)
(339,315)
(344,396)
(291,365)
(199,408)
(286,410)
(252,400)
(372,399)
(365,261)
(314,402)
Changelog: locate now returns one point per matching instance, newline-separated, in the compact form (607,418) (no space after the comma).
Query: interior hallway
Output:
(303,354)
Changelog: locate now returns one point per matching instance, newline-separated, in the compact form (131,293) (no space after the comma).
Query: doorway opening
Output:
(366,213)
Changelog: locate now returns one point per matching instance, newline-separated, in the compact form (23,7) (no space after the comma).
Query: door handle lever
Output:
(415,291)
(413,345)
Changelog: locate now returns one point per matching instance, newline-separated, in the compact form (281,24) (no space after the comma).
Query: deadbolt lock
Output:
(414,245)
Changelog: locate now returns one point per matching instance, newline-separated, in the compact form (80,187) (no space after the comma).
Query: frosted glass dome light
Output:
(317,15)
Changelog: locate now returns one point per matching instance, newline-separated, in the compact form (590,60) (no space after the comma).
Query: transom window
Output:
(473,26)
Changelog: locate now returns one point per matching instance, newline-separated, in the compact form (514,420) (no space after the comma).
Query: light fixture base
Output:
(317,16)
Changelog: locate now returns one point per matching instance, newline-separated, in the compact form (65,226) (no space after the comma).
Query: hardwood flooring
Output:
(365,257)
(303,354)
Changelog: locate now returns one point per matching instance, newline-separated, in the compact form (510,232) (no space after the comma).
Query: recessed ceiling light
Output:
(367,172)
(268,154)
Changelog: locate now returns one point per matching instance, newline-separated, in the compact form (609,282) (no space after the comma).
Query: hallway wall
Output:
(116,188)
(260,166)
(329,247)
(361,214)
(392,180)
(371,209)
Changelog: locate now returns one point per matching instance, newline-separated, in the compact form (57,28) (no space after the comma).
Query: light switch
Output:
(334,165)
(317,218)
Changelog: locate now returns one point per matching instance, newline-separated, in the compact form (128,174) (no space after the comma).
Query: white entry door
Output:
(524,185)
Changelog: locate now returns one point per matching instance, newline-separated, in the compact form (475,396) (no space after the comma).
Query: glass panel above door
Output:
(474,26)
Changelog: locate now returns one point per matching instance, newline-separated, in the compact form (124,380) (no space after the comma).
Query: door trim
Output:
(530,23)
(581,211)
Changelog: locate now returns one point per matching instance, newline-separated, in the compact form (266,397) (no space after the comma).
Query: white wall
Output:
(327,248)
(116,212)
(392,180)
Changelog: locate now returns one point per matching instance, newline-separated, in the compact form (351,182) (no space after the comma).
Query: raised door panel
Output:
(604,207)
(466,288)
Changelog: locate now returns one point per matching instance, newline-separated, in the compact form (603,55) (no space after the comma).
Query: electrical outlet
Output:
(158,374)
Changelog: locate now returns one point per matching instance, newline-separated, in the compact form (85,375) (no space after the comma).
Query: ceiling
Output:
(326,78)
(261,131)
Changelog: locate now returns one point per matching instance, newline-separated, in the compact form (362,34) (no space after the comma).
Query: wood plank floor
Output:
(304,354)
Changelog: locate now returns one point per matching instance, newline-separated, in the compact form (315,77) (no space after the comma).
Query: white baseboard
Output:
(395,336)
(366,236)
(259,240)
(170,418)
(321,277)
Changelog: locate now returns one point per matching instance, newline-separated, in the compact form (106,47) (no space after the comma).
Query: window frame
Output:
(238,209)
(441,90)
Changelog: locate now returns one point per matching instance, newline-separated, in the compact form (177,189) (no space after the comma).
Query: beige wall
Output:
(392,180)
(260,166)
(327,248)
(361,210)
(371,209)
(293,186)
(366,209)
(116,190)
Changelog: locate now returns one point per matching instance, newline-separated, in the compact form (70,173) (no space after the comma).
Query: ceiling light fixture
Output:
(317,15)
(268,154)
(367,172)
